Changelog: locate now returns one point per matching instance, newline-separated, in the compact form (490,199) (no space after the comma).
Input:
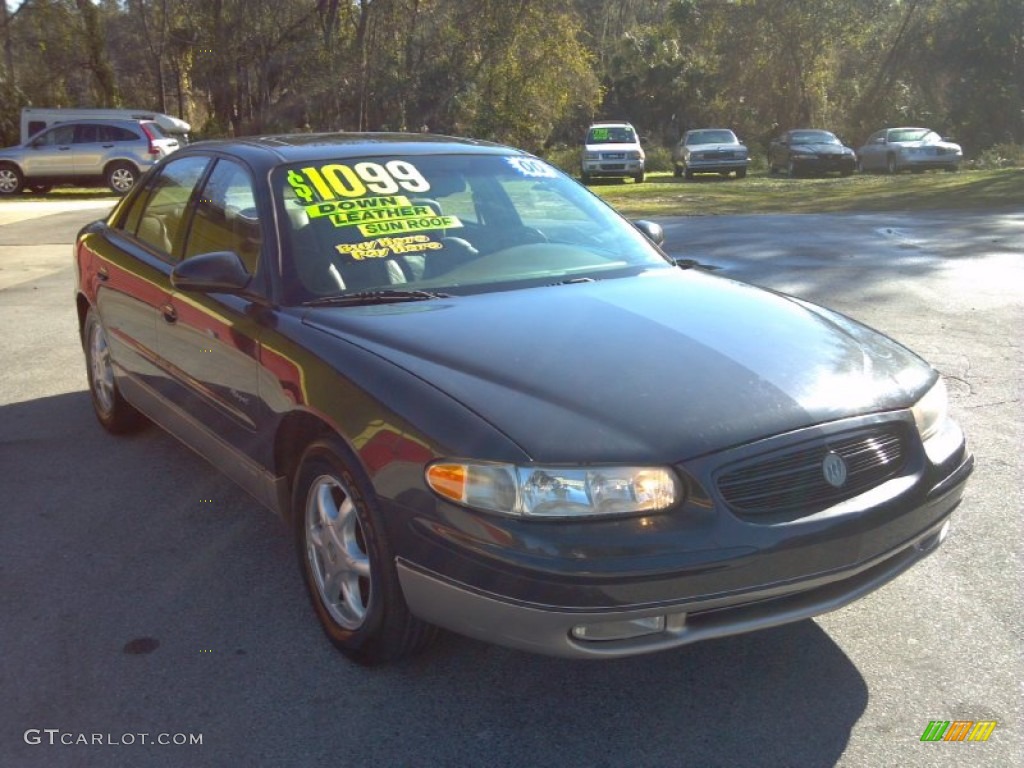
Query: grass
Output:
(664,195)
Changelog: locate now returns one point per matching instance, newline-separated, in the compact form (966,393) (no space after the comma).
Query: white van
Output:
(35,119)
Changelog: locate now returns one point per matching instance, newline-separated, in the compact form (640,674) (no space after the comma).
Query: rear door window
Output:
(158,216)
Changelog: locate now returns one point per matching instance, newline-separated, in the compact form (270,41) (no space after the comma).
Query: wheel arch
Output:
(296,432)
(82,306)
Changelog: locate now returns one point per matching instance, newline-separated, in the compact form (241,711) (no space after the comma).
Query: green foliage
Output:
(531,72)
(1000,156)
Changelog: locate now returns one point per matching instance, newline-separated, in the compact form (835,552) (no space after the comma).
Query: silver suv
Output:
(84,153)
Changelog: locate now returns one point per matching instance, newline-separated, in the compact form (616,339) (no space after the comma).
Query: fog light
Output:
(619,630)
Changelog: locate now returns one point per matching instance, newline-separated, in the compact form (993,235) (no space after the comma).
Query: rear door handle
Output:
(102,274)
(108,146)
(170,315)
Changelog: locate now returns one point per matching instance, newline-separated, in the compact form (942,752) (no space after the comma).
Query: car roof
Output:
(607,123)
(268,151)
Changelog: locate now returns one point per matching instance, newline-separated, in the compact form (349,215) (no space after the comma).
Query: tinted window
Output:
(87,134)
(161,208)
(61,135)
(117,133)
(225,216)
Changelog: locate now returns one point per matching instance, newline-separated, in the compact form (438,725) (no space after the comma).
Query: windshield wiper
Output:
(382,296)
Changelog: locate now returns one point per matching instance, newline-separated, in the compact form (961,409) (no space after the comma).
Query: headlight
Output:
(591,155)
(555,492)
(941,435)
(635,154)
(931,410)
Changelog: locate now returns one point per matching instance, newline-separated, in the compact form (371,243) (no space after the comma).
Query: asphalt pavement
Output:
(144,598)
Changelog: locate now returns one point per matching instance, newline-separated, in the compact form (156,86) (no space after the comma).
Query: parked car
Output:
(803,152)
(612,149)
(899,149)
(84,153)
(484,401)
(710,150)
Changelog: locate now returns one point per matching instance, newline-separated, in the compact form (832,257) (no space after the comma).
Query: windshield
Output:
(812,137)
(446,223)
(611,134)
(711,137)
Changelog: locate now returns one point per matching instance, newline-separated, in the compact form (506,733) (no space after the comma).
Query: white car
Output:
(899,149)
(612,149)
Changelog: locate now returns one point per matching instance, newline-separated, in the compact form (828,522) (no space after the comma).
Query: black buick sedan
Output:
(484,401)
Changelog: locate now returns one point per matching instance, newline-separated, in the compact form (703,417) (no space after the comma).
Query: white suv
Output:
(612,149)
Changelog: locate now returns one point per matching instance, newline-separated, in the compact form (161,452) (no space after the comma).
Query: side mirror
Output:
(651,231)
(217,272)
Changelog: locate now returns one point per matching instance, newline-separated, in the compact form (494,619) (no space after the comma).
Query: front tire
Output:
(121,177)
(115,414)
(347,562)
(639,177)
(741,173)
(11,179)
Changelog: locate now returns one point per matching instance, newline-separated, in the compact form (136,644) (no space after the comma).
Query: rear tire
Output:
(741,173)
(347,563)
(11,179)
(121,177)
(890,165)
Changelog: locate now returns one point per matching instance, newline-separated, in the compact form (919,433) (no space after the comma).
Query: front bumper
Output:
(925,161)
(825,163)
(716,166)
(548,630)
(696,573)
(612,167)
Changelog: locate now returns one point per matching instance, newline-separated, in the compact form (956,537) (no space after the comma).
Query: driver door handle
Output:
(169,313)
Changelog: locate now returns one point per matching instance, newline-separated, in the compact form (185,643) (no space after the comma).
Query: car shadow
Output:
(144,592)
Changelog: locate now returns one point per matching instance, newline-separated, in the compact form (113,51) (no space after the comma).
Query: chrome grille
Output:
(791,481)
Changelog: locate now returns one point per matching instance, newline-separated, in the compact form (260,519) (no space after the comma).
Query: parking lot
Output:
(142,593)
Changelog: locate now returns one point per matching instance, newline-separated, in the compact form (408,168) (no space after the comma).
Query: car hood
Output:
(657,368)
(819,149)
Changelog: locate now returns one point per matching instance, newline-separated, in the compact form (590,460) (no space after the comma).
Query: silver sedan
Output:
(710,150)
(899,149)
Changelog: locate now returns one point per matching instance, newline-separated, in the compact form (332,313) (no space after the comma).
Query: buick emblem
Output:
(834,469)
